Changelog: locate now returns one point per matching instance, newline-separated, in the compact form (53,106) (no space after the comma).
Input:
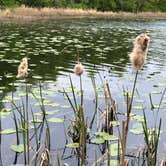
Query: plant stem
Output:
(81,90)
(126,125)
(27,125)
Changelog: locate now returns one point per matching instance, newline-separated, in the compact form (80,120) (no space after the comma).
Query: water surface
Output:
(103,47)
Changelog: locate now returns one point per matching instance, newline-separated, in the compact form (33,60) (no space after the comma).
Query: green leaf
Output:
(98,140)
(115,123)
(138,107)
(136,131)
(7,131)
(47,113)
(36,120)
(17,148)
(55,120)
(72,145)
(105,136)
(4,112)
(65,106)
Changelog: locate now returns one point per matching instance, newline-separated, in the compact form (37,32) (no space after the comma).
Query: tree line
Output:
(100,5)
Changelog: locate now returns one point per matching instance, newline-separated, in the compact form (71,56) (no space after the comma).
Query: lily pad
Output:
(17,148)
(136,131)
(115,123)
(55,120)
(138,107)
(139,118)
(7,131)
(47,113)
(98,140)
(72,145)
(4,112)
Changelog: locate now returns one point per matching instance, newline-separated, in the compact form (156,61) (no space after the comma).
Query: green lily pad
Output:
(17,148)
(4,112)
(139,101)
(106,136)
(137,128)
(55,120)
(7,131)
(47,113)
(36,120)
(115,123)
(72,145)
(136,131)
(98,140)
(65,106)
(101,137)
(139,118)
(138,107)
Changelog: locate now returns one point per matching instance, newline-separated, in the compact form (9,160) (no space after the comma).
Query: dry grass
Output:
(29,14)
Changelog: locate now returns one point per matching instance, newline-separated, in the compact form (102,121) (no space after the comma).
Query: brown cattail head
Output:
(139,53)
(78,69)
(23,68)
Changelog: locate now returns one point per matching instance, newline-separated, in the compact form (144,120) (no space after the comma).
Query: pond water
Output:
(103,47)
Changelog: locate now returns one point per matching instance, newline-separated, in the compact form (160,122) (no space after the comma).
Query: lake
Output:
(103,47)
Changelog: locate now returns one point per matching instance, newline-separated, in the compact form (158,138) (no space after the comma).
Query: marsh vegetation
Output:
(52,116)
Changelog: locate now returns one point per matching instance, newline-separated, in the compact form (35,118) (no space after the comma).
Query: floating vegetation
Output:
(7,131)
(17,148)
(87,118)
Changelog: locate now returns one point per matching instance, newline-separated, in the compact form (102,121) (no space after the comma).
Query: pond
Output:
(103,47)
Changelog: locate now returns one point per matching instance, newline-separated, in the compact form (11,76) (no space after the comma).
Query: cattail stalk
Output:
(138,59)
(27,124)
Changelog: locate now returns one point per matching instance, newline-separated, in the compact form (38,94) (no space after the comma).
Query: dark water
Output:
(103,47)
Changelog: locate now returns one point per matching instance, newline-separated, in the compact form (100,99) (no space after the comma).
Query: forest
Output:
(134,6)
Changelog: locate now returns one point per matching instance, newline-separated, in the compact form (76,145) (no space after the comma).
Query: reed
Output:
(29,14)
(151,139)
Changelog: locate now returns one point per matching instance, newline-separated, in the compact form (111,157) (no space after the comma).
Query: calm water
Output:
(103,47)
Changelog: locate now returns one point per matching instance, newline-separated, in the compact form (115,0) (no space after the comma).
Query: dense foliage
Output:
(101,5)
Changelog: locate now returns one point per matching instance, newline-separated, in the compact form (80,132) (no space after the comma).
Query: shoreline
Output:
(24,14)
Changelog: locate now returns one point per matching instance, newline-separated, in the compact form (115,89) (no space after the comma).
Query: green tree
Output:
(103,5)
(162,5)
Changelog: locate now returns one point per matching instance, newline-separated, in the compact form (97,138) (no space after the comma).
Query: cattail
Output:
(78,69)
(23,68)
(65,164)
(139,53)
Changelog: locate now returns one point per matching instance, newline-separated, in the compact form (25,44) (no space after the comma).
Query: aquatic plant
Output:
(78,128)
(22,74)
(138,59)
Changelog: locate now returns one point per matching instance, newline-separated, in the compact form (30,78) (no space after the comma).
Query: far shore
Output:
(22,14)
